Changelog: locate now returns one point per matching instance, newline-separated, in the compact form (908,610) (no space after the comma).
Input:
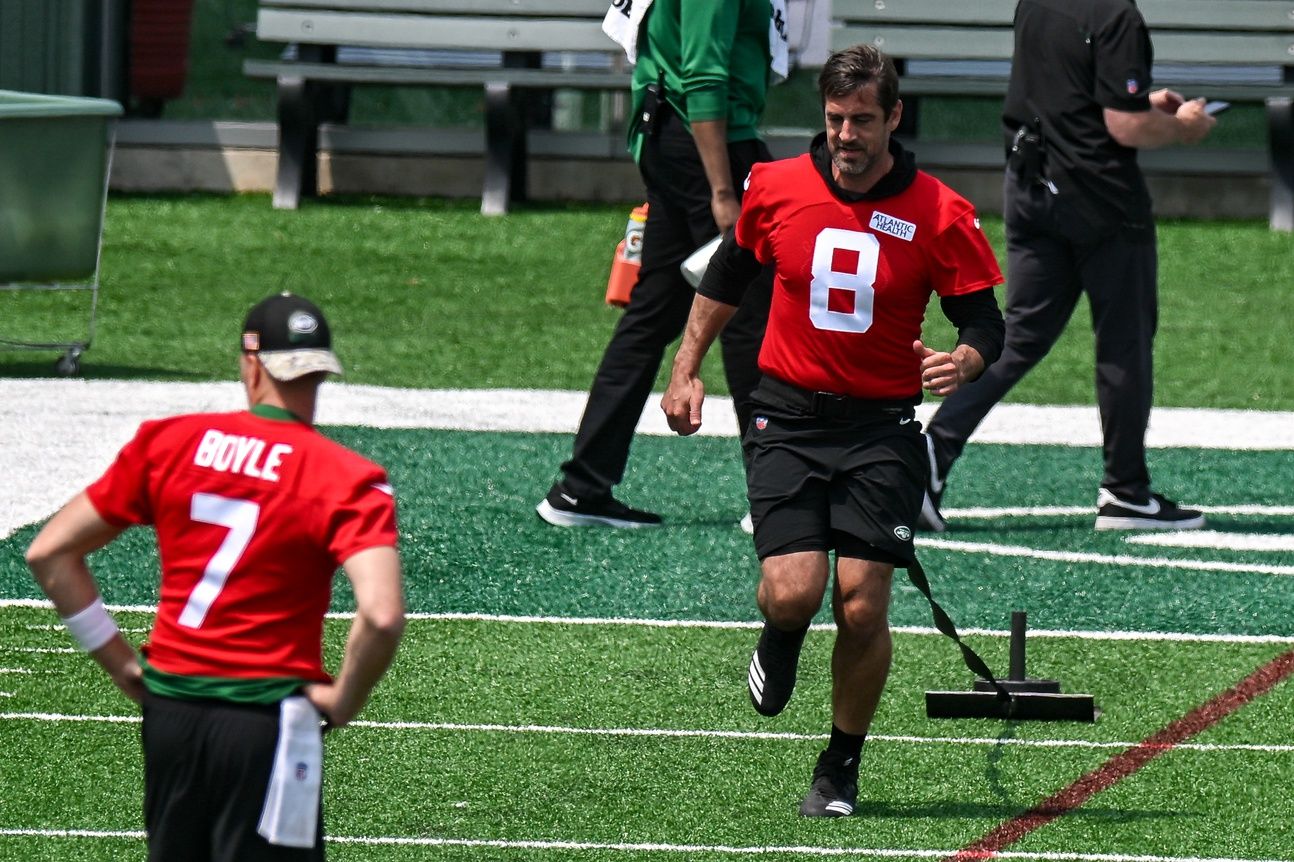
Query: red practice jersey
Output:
(254,516)
(853,278)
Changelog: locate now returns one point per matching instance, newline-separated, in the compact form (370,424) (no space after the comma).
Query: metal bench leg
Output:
(298,170)
(505,150)
(1280,126)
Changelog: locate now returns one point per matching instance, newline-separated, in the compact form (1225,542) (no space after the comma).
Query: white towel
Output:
(622,22)
(290,817)
(625,18)
(779,27)
(694,267)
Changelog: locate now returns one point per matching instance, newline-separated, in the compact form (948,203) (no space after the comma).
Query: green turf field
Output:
(521,721)
(579,696)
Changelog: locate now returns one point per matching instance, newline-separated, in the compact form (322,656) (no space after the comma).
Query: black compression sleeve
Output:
(730,271)
(978,320)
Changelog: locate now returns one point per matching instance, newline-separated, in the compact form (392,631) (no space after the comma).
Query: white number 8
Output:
(861,282)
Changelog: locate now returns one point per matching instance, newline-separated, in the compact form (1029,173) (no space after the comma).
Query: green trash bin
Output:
(55,154)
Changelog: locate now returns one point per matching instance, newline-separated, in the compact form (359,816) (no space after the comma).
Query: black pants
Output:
(678,221)
(1054,254)
(207,765)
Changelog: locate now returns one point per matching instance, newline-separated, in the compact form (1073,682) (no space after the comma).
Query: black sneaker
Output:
(771,675)
(930,519)
(563,510)
(1159,513)
(834,790)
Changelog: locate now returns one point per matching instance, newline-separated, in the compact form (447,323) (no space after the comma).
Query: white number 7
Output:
(239,517)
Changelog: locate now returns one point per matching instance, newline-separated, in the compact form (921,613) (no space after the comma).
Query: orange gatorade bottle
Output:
(627,260)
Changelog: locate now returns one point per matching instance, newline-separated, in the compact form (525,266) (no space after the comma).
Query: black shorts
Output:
(206,769)
(850,484)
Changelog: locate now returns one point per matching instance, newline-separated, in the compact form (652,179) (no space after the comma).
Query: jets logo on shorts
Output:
(902,533)
(761,422)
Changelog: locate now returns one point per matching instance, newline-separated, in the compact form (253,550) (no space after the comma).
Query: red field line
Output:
(1121,765)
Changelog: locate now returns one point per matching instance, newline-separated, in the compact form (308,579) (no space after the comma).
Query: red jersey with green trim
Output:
(254,516)
(853,278)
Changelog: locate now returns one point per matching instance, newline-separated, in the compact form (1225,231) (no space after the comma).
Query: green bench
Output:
(314,87)
(1194,35)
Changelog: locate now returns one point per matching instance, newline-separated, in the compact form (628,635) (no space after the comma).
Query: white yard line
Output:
(1214,539)
(778,851)
(42,650)
(1129,560)
(749,625)
(985,513)
(58,435)
(60,628)
(668,733)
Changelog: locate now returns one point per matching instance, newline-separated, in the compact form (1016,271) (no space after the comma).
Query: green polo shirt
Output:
(713,57)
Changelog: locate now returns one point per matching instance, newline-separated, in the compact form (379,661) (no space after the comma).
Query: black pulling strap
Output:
(944,623)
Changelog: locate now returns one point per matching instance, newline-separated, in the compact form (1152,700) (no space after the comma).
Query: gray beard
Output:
(851,168)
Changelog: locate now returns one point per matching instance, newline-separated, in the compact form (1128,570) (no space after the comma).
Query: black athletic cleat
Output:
(930,519)
(564,510)
(1158,513)
(771,675)
(834,790)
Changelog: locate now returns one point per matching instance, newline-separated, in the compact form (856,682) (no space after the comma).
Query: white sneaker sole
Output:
(834,808)
(558,518)
(1113,522)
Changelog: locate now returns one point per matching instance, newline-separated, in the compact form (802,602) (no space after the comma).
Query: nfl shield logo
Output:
(1132,86)
(761,422)
(301,771)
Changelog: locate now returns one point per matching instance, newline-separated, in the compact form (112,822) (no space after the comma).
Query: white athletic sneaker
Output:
(1158,513)
(562,510)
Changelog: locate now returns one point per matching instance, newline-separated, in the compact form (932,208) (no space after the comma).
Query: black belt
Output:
(830,405)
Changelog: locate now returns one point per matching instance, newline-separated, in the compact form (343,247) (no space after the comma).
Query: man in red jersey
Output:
(859,239)
(254,513)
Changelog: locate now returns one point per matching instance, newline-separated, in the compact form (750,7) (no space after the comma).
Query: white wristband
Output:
(92,626)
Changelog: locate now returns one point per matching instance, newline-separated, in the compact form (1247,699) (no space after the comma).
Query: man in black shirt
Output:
(1079,220)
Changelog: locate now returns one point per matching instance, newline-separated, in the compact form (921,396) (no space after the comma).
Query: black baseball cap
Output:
(290,336)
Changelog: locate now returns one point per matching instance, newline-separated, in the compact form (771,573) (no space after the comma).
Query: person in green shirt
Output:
(699,88)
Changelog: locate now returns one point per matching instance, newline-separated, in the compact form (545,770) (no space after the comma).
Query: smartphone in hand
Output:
(1215,107)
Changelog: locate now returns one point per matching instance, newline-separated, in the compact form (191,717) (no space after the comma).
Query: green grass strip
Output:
(429,293)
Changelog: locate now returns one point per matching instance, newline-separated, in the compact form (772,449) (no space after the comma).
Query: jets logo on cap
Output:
(302,322)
